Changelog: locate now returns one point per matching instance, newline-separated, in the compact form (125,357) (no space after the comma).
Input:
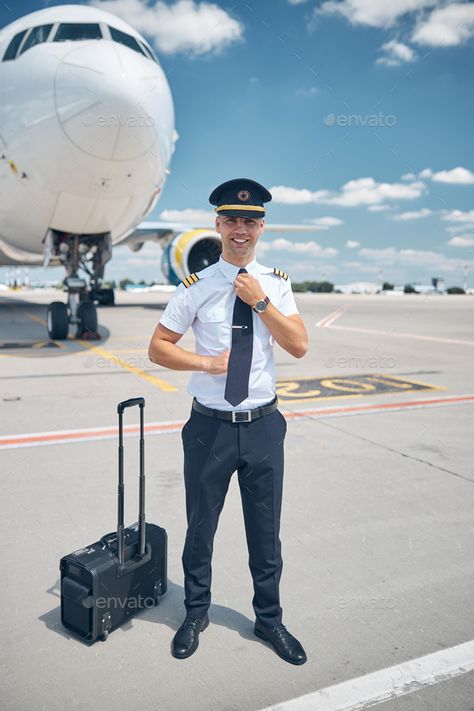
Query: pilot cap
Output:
(240,197)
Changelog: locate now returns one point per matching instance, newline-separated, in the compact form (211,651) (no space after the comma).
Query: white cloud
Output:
(409,176)
(462,241)
(294,196)
(361,267)
(458,176)
(412,258)
(396,53)
(455,176)
(414,215)
(379,208)
(352,244)
(185,26)
(324,223)
(307,92)
(310,248)
(194,217)
(123,259)
(446,26)
(362,191)
(377,13)
(459,216)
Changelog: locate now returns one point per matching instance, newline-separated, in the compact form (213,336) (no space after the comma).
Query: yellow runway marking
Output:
(35,318)
(157,382)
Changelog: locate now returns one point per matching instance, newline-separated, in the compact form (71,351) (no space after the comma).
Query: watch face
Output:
(260,306)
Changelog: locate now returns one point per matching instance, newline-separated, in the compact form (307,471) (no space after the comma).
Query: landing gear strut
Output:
(88,253)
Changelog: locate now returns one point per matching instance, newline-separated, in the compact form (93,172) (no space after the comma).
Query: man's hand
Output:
(248,289)
(216,365)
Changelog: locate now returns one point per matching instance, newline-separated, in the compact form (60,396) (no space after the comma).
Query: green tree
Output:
(313,286)
(124,283)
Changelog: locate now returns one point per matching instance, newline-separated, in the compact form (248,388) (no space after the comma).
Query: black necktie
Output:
(240,359)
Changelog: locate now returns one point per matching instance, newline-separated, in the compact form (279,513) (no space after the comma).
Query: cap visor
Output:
(242,213)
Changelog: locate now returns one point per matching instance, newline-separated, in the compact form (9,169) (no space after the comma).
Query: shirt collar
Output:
(230,271)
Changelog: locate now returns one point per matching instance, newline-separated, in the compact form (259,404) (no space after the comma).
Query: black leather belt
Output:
(236,415)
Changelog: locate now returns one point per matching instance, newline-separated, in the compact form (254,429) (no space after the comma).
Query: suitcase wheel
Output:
(106,625)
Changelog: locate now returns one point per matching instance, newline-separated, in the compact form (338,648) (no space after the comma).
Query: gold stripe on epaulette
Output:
(190,279)
(279,273)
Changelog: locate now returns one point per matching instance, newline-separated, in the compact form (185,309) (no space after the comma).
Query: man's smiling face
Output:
(239,237)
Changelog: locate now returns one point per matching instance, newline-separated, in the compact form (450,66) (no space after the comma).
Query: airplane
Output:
(86,139)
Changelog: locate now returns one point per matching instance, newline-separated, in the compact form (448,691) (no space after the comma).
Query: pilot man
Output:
(237,309)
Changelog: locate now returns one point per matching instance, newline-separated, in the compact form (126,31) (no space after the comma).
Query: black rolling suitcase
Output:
(106,583)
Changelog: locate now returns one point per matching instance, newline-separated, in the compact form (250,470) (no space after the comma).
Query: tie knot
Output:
(242,270)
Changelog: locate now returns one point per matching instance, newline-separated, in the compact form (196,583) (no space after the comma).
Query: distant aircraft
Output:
(86,138)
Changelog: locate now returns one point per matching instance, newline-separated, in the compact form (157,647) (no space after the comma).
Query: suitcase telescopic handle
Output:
(140,401)
(130,403)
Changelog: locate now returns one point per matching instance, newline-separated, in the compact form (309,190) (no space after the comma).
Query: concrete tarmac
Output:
(377,532)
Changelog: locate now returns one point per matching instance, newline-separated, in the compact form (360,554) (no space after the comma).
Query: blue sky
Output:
(356,111)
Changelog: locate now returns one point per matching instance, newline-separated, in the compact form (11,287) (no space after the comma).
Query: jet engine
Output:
(190,252)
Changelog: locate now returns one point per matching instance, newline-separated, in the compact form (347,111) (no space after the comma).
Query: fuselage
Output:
(86,128)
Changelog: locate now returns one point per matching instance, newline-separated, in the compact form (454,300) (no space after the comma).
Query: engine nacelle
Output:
(190,252)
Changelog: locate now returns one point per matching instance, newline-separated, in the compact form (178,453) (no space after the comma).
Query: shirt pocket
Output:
(212,314)
(214,329)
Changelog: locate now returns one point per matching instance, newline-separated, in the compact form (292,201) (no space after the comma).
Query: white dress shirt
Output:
(207,306)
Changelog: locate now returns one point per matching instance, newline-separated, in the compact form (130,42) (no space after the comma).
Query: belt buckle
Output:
(241,416)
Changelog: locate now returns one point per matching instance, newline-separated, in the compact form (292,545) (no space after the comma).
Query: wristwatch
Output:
(261,306)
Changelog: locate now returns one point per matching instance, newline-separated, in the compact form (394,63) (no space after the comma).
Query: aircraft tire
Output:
(87,313)
(57,321)
(107,297)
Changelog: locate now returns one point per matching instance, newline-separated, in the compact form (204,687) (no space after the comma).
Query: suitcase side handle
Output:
(141,511)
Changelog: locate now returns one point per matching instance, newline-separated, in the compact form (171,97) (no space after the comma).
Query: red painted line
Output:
(101,433)
(349,409)
(86,434)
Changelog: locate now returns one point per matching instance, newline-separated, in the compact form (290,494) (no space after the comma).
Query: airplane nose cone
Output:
(101,103)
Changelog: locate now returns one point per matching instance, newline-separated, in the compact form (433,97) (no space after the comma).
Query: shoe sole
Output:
(297,662)
(185,656)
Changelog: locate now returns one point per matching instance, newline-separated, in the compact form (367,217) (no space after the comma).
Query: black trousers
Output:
(213,450)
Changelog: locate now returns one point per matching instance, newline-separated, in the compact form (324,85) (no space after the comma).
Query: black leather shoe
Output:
(186,639)
(283,642)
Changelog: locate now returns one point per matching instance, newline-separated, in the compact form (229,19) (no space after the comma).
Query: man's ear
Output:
(217,224)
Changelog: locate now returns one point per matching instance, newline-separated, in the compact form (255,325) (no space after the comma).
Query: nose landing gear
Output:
(79,310)
(89,253)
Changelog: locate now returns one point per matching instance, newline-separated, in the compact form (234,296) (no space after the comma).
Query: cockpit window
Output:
(37,36)
(127,40)
(77,31)
(147,51)
(12,48)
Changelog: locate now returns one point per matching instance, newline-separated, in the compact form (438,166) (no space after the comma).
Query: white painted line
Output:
(400,334)
(386,684)
(333,316)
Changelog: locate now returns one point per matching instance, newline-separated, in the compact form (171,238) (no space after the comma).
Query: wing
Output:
(187,248)
(164,231)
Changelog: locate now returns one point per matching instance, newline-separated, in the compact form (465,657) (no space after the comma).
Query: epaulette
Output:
(279,273)
(190,279)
